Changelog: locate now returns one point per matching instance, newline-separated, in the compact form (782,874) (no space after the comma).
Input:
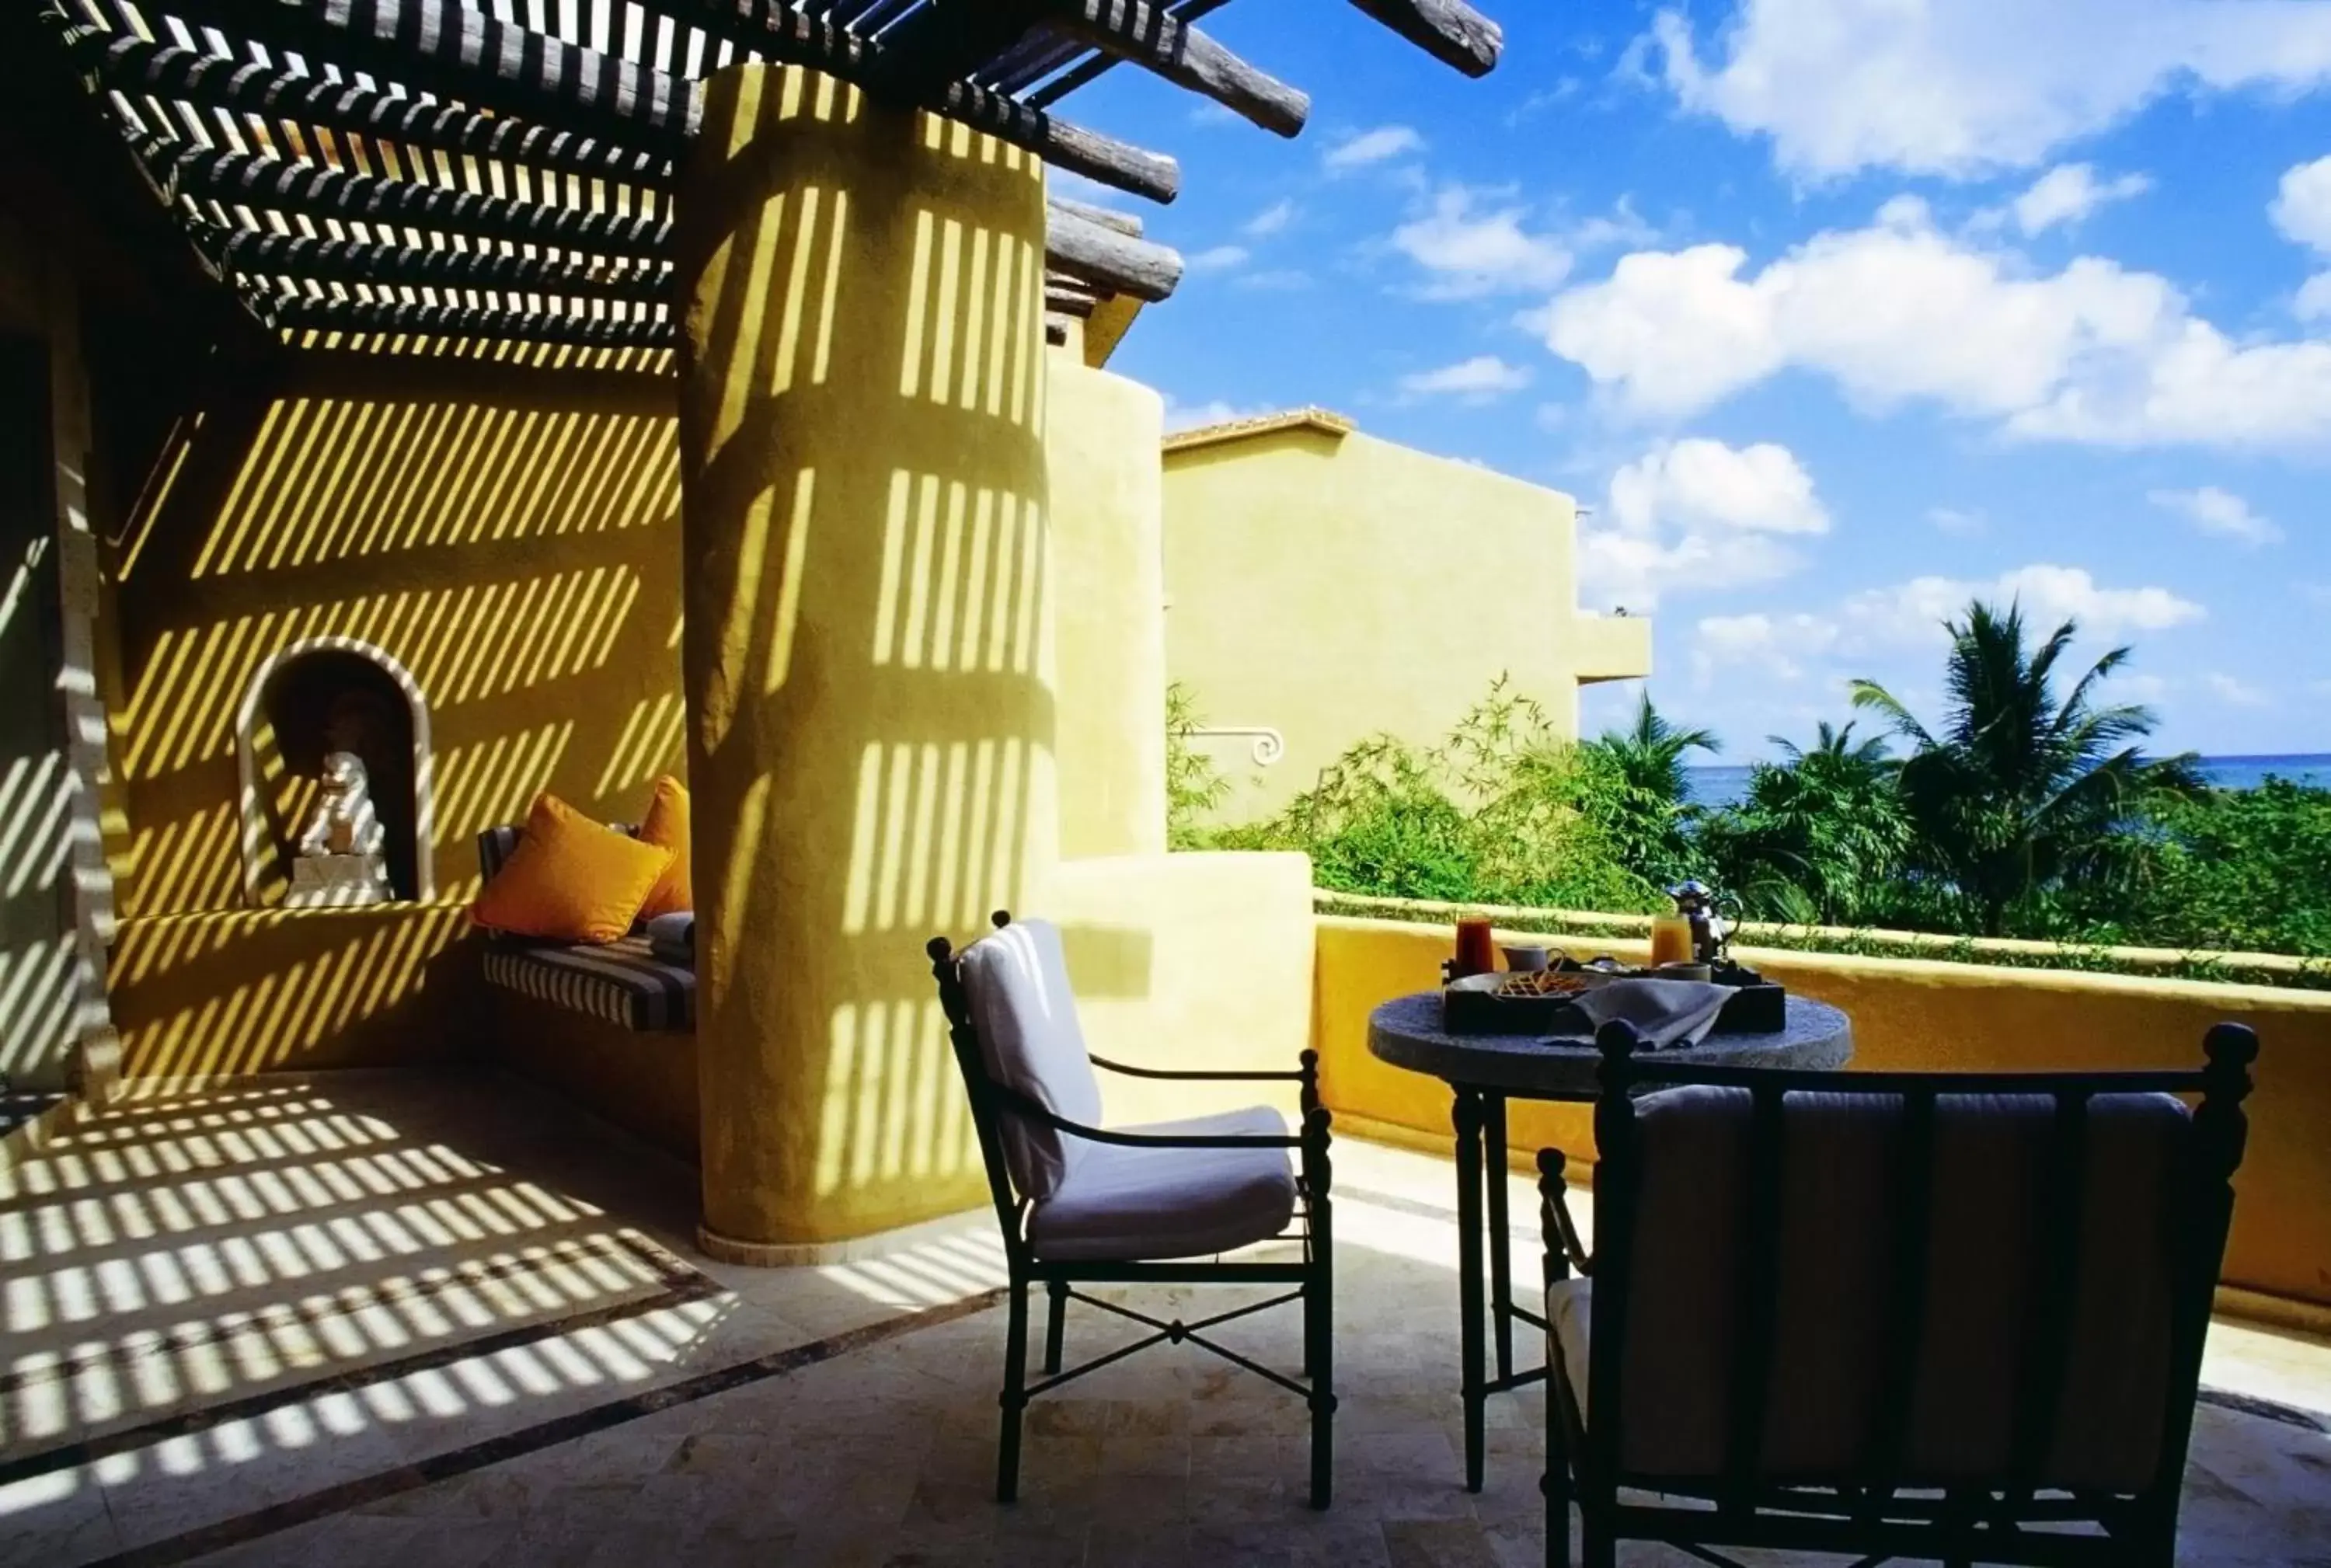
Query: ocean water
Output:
(1725,784)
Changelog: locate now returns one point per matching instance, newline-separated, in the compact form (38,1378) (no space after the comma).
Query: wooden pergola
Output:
(445,168)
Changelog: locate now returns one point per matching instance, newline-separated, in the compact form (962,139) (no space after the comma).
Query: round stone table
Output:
(1486,1070)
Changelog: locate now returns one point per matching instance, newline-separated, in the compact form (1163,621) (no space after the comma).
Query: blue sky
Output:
(1833,311)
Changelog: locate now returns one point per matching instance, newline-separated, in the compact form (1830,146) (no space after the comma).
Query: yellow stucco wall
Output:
(1331,586)
(1926,1016)
(228,992)
(1108,595)
(506,533)
(1194,962)
(868,658)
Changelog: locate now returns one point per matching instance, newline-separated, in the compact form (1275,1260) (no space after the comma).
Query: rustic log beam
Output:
(255,252)
(1448,30)
(182,169)
(135,68)
(1116,262)
(771,30)
(1063,146)
(445,46)
(1154,39)
(291,313)
(1108,217)
(1094,65)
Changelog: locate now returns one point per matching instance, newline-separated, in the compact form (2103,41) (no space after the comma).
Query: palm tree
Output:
(2020,794)
(1642,802)
(1650,754)
(1818,835)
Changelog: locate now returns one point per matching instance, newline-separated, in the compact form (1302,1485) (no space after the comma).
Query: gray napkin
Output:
(1665,1013)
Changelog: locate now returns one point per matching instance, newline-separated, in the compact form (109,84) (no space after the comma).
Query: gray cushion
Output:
(1839,1211)
(1017,985)
(1133,1203)
(621,981)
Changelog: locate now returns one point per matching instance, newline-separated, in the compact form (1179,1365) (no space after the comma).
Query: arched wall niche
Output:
(297,683)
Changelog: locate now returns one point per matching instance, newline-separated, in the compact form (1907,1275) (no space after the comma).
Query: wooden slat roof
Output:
(503,169)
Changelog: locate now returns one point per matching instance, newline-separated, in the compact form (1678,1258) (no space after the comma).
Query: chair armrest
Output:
(1012,1102)
(1562,1252)
(1242,1077)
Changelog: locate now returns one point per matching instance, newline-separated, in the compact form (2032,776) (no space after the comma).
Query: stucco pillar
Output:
(1101,434)
(866,652)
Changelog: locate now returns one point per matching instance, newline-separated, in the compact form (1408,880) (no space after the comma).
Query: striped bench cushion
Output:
(622,982)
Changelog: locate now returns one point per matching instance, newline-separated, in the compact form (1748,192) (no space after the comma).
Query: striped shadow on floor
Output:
(445,1466)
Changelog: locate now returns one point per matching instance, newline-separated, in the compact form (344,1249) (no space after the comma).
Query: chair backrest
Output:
(1018,1003)
(1897,1280)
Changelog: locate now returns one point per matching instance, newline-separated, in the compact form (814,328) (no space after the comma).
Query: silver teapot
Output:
(1702,907)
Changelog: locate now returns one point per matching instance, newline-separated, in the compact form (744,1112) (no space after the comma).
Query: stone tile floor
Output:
(423,1320)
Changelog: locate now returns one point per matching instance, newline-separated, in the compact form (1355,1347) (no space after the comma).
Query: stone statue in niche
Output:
(342,822)
(341,856)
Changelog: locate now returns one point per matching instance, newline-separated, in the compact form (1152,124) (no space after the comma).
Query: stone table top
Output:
(1406,1032)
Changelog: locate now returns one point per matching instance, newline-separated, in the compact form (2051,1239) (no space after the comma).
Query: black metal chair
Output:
(1944,1315)
(1083,1204)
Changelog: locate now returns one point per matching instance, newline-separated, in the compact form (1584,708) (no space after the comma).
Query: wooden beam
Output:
(1448,30)
(1063,146)
(133,67)
(1108,217)
(1118,263)
(291,313)
(1152,38)
(253,252)
(770,30)
(447,47)
(184,169)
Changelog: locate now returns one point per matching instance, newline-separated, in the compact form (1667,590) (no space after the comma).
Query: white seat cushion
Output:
(1569,1324)
(1017,983)
(1129,1204)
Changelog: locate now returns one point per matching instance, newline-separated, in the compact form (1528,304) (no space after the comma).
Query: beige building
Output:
(1323,586)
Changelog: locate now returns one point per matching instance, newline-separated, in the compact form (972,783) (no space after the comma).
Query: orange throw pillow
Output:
(570,879)
(666,827)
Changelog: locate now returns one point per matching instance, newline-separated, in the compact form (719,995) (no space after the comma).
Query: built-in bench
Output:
(610,1025)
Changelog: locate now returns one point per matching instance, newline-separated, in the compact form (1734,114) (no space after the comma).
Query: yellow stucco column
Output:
(867,654)
(1101,437)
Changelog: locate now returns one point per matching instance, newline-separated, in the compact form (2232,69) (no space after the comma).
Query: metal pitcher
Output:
(1701,907)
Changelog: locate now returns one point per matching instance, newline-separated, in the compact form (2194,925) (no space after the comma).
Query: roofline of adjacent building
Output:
(1324,420)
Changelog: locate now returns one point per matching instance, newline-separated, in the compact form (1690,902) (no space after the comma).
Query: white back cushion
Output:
(1017,982)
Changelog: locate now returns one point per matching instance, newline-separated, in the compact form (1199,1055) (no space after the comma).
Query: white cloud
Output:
(1217,258)
(2313,302)
(1371,146)
(1698,513)
(1478,379)
(2227,689)
(1900,312)
(1779,647)
(1471,251)
(1704,484)
(2069,193)
(1956,521)
(1964,87)
(1276,281)
(2302,204)
(1273,219)
(2219,512)
(1911,613)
